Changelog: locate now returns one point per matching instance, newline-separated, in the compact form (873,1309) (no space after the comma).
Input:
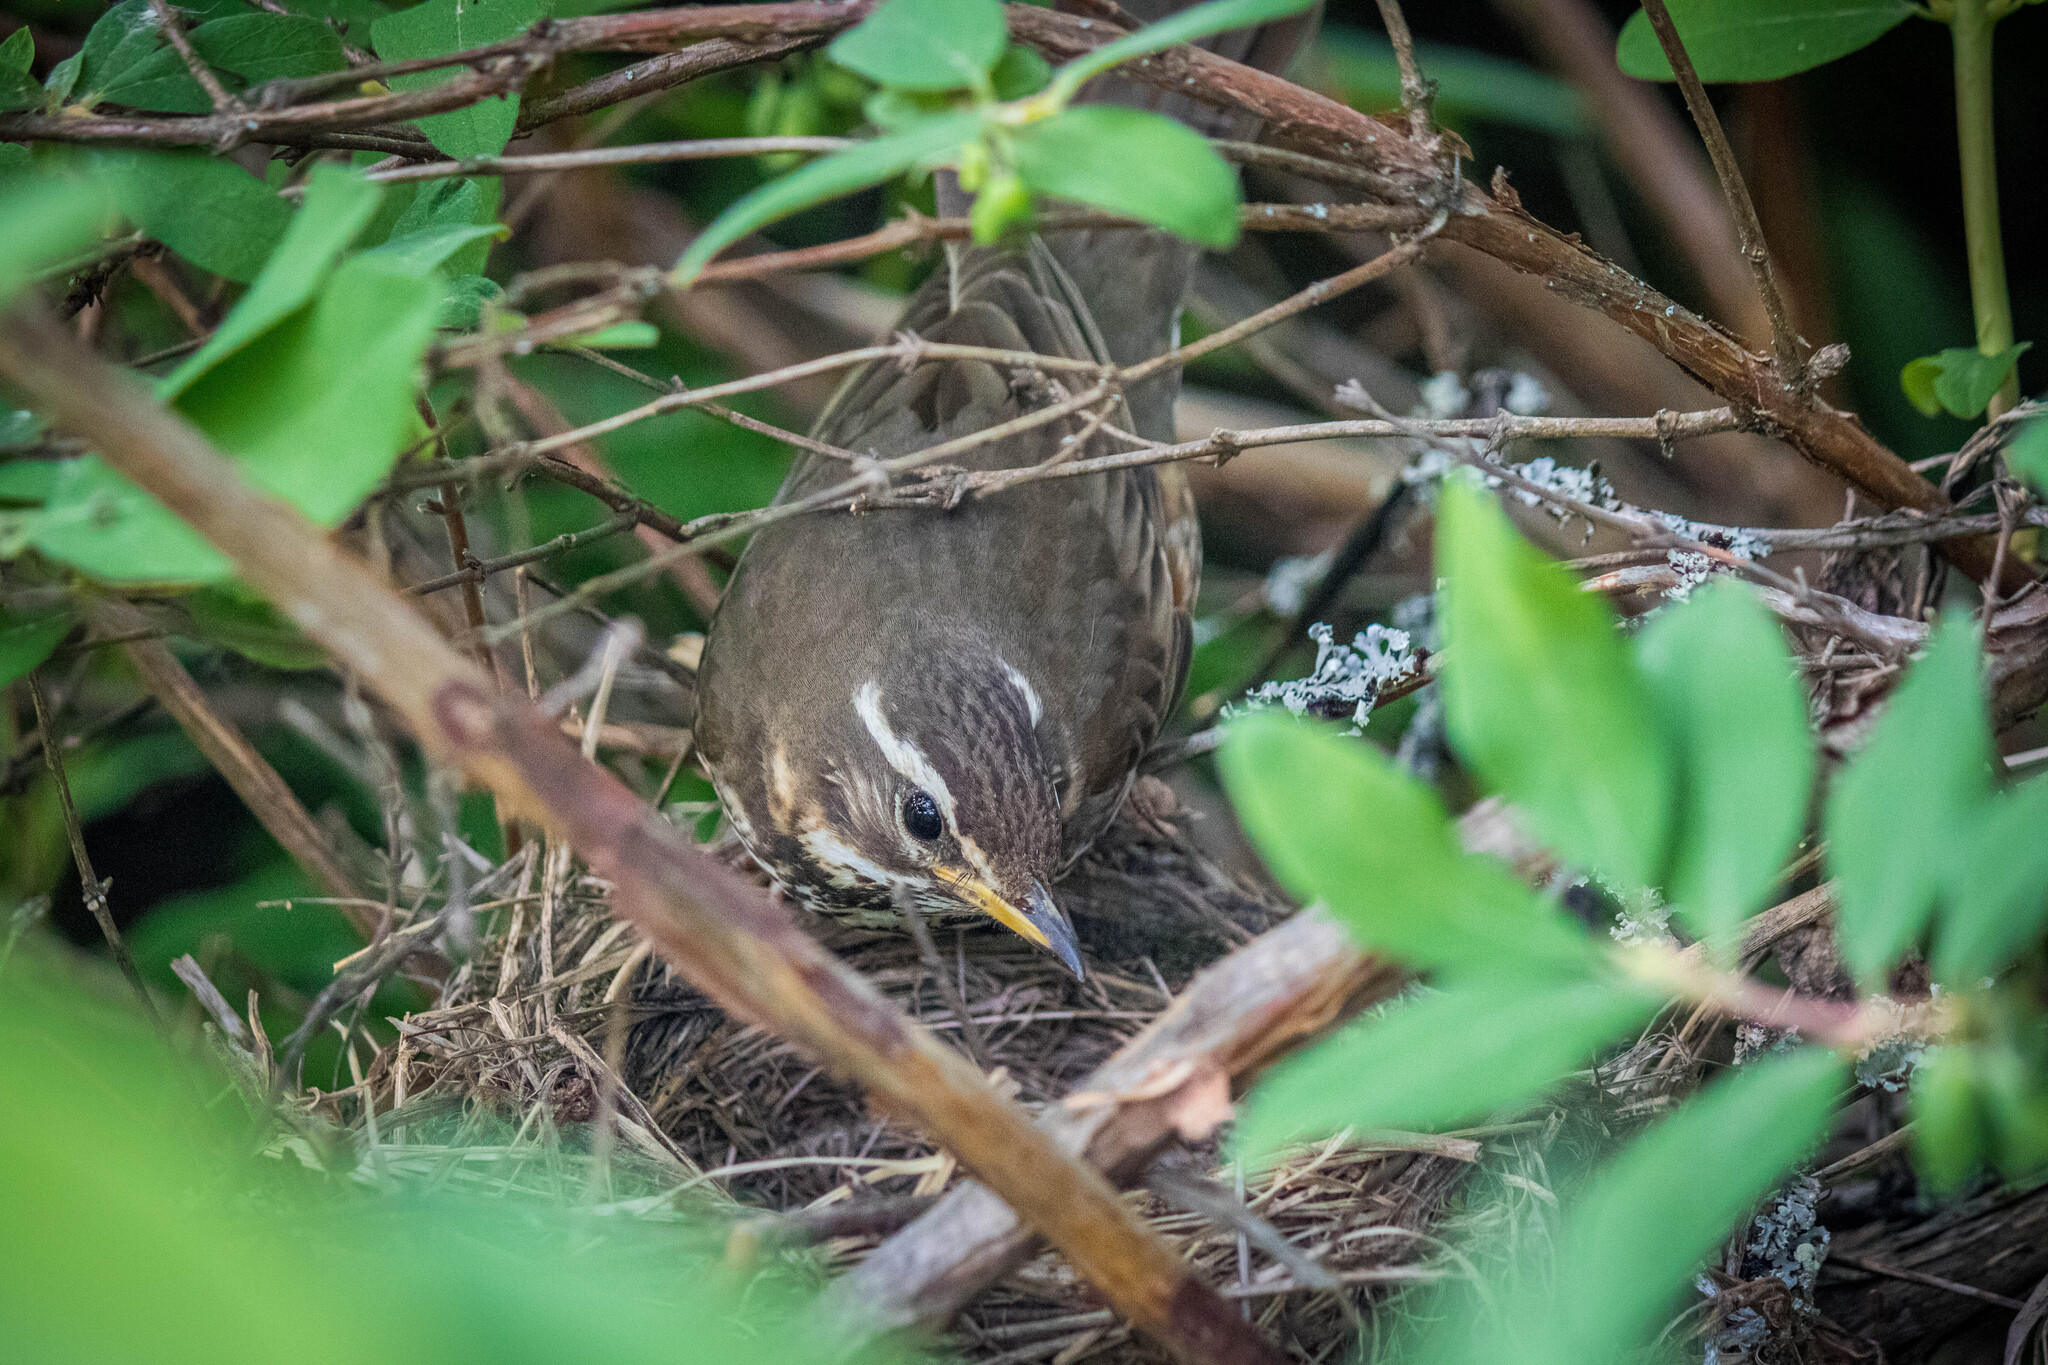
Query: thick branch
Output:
(727,937)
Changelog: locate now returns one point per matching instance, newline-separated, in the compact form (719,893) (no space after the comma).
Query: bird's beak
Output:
(1034,918)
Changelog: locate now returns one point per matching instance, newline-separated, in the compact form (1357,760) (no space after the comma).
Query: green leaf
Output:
(439,27)
(270,47)
(1218,16)
(1543,700)
(431,247)
(1959,380)
(50,219)
(1020,71)
(1136,163)
(18,89)
(104,525)
(235,615)
(451,206)
(1640,1230)
(622,336)
(1338,823)
(63,80)
(1950,1137)
(1999,896)
(2026,454)
(1471,86)
(118,50)
(1728,695)
(933,141)
(1902,816)
(1441,1059)
(28,639)
(207,209)
(1758,40)
(925,44)
(338,203)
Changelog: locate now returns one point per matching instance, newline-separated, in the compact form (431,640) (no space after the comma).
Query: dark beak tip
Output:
(1044,912)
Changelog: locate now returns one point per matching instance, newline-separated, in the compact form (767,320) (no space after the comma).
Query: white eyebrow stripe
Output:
(1023,684)
(845,863)
(905,757)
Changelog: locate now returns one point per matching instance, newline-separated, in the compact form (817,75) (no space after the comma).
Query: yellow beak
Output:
(1037,920)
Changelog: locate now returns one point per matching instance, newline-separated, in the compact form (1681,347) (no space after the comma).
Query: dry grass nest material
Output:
(566,1031)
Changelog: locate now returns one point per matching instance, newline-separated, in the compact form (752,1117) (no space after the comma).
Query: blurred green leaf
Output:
(234,615)
(1020,71)
(1441,1059)
(1218,16)
(1999,896)
(925,44)
(1728,695)
(1904,815)
(18,88)
(1758,40)
(1635,1236)
(63,80)
(28,638)
(1338,823)
(338,203)
(2026,454)
(1136,163)
(1542,698)
(1471,86)
(1959,381)
(932,141)
(623,336)
(1949,1139)
(439,27)
(206,208)
(50,219)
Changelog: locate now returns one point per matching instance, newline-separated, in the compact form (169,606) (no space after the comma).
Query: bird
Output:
(936,710)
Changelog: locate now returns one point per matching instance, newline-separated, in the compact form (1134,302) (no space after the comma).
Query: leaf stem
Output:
(1970,25)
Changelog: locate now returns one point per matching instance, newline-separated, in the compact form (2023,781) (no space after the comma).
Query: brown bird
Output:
(949,705)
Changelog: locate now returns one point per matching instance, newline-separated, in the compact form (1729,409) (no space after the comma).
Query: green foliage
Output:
(1727,694)
(208,210)
(18,89)
(139,1230)
(1471,87)
(49,219)
(1947,1108)
(28,638)
(231,614)
(1902,817)
(1958,381)
(1189,25)
(1633,1238)
(2026,454)
(1544,702)
(1339,824)
(1443,1058)
(439,27)
(1133,162)
(1758,40)
(925,45)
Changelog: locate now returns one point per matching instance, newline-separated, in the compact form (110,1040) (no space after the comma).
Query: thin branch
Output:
(1749,232)
(640,154)
(1417,94)
(174,29)
(477,570)
(93,889)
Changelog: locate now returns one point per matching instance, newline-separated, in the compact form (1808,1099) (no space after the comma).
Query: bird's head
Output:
(926,782)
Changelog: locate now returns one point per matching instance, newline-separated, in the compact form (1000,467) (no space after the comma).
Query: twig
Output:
(93,889)
(174,30)
(640,154)
(477,570)
(1895,1272)
(928,952)
(722,934)
(1417,94)
(1749,232)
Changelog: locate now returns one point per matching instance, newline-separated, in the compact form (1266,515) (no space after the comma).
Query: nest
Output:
(563,1023)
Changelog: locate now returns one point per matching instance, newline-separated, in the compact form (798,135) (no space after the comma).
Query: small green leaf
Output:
(1340,824)
(1728,694)
(50,219)
(1218,16)
(462,303)
(234,615)
(1542,698)
(338,203)
(623,336)
(1949,1137)
(2026,454)
(1758,40)
(451,206)
(439,27)
(925,44)
(432,247)
(1442,1059)
(1019,72)
(207,209)
(1136,163)
(1960,381)
(18,89)
(28,639)
(1903,815)
(932,141)
(1999,896)
(118,49)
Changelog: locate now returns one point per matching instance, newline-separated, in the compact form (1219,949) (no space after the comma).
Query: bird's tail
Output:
(1133,283)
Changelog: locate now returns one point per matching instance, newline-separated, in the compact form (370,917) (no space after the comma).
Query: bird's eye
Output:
(921,816)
